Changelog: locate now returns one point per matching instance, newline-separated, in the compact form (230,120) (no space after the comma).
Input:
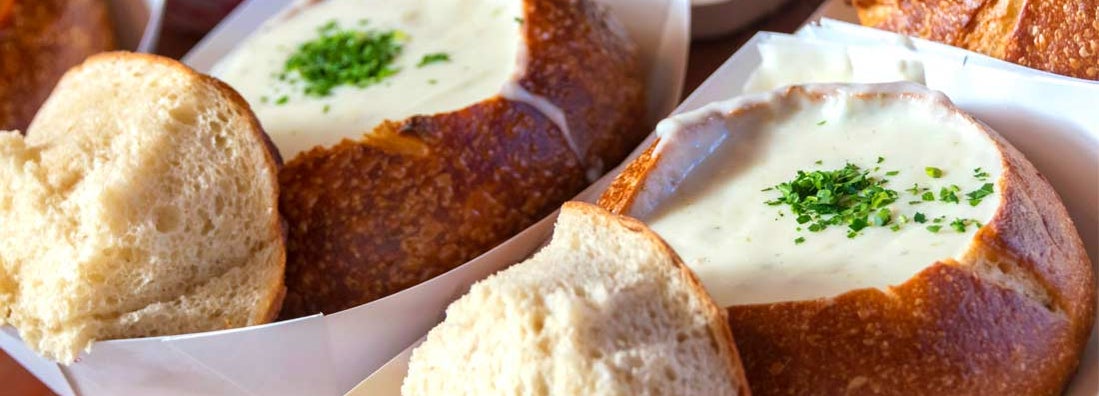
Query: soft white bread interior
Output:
(606,308)
(142,202)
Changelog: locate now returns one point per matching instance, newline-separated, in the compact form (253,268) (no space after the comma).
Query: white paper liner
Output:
(1050,118)
(326,355)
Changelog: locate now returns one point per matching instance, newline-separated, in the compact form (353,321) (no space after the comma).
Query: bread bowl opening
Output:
(814,192)
(451,55)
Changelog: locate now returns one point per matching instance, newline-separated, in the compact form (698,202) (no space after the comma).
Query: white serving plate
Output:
(1049,118)
(329,354)
(713,18)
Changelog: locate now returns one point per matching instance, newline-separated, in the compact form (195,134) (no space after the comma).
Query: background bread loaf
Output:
(46,37)
(142,202)
(1059,36)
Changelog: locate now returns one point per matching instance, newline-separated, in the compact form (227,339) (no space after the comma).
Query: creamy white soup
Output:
(746,251)
(454,53)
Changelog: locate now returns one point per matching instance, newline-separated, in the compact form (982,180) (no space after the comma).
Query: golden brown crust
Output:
(421,196)
(39,41)
(719,327)
(1012,317)
(1058,36)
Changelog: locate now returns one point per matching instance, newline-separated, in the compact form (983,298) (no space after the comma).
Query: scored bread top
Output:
(1011,313)
(605,308)
(142,202)
(1059,36)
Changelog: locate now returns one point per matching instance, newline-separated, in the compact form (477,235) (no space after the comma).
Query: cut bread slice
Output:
(607,308)
(142,202)
(986,290)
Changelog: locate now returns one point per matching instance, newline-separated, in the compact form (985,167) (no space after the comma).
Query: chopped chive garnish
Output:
(977,195)
(934,172)
(433,58)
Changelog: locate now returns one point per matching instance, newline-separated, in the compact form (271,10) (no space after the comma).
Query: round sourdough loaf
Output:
(379,209)
(39,41)
(1009,313)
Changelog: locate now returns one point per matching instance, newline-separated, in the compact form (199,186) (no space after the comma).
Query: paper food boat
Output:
(1049,118)
(329,354)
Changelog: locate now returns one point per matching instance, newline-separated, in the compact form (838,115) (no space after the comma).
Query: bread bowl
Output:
(141,202)
(47,37)
(1058,36)
(1007,308)
(399,195)
(566,321)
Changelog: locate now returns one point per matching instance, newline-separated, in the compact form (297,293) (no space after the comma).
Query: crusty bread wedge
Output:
(1059,36)
(607,308)
(142,202)
(39,41)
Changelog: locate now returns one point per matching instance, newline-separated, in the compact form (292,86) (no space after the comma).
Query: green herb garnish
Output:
(799,240)
(928,196)
(919,218)
(976,196)
(519,20)
(916,189)
(344,57)
(934,228)
(822,122)
(847,196)
(881,159)
(434,58)
(948,194)
(892,173)
(282,100)
(934,172)
(980,174)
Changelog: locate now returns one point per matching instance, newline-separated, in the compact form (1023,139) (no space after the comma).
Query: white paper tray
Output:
(1049,118)
(327,355)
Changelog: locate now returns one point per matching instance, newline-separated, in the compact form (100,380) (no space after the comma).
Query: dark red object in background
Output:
(195,16)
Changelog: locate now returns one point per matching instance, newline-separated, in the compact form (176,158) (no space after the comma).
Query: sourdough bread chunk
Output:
(142,202)
(984,289)
(472,132)
(606,308)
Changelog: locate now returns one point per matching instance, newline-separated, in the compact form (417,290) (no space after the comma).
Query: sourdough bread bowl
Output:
(472,132)
(605,308)
(39,41)
(143,201)
(983,288)
(1058,36)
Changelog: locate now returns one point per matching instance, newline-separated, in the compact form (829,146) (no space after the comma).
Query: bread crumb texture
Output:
(601,310)
(142,202)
